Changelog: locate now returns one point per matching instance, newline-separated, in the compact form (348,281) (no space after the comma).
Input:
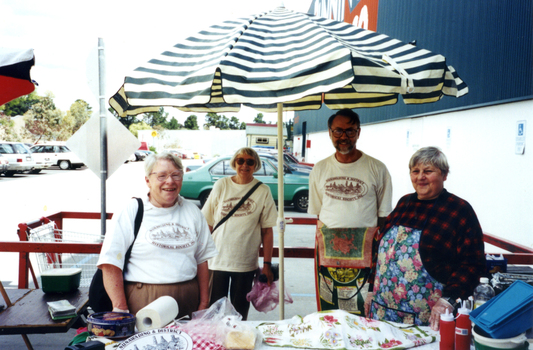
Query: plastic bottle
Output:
(483,292)
(463,328)
(447,330)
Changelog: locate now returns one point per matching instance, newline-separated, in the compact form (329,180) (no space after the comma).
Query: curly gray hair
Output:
(152,159)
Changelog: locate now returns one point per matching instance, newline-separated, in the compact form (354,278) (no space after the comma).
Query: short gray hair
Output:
(152,159)
(249,151)
(431,156)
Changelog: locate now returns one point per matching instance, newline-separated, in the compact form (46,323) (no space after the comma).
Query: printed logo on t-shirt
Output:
(345,188)
(170,236)
(247,208)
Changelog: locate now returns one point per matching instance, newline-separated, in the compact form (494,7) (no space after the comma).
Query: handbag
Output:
(237,206)
(98,299)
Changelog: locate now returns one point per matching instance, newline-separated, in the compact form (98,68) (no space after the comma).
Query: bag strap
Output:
(138,221)
(241,202)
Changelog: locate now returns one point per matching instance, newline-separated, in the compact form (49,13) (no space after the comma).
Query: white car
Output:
(18,156)
(56,153)
(3,164)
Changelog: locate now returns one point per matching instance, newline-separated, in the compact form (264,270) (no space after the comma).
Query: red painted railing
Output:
(519,254)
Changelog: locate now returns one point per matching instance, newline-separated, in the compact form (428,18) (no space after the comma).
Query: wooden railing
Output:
(518,254)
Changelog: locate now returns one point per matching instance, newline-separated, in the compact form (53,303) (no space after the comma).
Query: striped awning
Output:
(15,80)
(286,57)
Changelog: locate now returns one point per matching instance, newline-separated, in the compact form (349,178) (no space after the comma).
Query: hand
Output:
(267,271)
(116,309)
(438,309)
(368,303)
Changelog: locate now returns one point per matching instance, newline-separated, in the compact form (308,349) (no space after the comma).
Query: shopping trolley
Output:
(50,233)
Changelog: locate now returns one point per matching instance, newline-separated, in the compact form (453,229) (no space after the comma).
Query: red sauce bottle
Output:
(447,331)
(463,329)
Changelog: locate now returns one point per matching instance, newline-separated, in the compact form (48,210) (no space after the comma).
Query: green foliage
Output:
(156,118)
(44,121)
(134,128)
(21,105)
(191,123)
(213,119)
(78,114)
(173,124)
(259,119)
(289,125)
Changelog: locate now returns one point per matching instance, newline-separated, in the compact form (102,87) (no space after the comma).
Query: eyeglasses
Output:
(349,132)
(163,177)
(249,162)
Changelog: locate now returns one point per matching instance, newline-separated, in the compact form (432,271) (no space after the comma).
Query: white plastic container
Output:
(509,343)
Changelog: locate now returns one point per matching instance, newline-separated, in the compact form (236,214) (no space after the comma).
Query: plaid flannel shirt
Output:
(451,244)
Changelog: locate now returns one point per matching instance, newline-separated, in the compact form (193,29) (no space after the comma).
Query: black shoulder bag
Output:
(243,199)
(98,299)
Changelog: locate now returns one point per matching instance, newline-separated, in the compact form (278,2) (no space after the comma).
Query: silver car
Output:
(19,157)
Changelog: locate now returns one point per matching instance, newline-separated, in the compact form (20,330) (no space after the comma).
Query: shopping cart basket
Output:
(45,261)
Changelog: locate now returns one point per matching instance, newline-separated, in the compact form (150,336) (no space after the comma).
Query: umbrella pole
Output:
(281,214)
(103,135)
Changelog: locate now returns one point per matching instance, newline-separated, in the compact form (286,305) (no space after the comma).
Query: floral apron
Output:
(405,290)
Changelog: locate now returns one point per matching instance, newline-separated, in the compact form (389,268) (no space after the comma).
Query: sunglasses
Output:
(241,161)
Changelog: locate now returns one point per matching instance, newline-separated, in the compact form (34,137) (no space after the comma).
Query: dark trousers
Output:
(237,283)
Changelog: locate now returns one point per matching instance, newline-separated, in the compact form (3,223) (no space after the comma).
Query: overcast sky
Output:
(64,35)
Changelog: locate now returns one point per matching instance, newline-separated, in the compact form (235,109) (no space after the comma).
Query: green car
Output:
(197,184)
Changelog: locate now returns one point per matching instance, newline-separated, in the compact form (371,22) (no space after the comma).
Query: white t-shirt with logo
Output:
(239,238)
(350,194)
(171,243)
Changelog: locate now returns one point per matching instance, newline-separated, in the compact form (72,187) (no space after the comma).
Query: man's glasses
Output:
(349,132)
(162,177)
(241,161)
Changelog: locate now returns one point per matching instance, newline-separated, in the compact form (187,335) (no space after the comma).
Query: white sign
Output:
(121,144)
(520,137)
(164,338)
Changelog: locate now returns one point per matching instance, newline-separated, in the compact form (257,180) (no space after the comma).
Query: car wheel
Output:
(301,201)
(35,171)
(203,197)
(64,164)
(10,173)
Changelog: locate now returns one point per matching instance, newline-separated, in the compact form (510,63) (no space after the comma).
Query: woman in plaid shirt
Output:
(430,251)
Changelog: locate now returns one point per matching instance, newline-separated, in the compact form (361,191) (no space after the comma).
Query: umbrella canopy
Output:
(15,78)
(287,57)
(283,60)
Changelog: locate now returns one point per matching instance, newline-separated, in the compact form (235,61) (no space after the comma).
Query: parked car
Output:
(142,154)
(3,164)
(294,166)
(58,153)
(198,184)
(19,157)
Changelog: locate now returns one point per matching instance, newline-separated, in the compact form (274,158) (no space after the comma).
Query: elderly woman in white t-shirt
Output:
(239,238)
(169,255)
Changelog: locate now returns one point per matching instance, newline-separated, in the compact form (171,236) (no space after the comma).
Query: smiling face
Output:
(344,144)
(245,172)
(427,180)
(163,194)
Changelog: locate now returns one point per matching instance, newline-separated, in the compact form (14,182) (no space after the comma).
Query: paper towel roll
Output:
(157,314)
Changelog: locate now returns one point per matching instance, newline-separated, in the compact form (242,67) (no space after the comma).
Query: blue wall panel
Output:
(488,42)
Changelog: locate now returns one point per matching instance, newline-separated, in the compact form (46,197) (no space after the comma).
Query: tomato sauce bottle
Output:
(447,331)
(463,328)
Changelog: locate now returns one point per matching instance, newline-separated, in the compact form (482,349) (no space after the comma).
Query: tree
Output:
(134,128)
(21,105)
(259,119)
(127,121)
(44,120)
(191,123)
(213,119)
(235,124)
(173,124)
(156,118)
(79,113)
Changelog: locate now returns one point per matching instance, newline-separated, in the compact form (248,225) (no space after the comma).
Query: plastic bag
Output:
(265,298)
(219,324)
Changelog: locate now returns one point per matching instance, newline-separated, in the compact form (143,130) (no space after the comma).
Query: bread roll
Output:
(240,340)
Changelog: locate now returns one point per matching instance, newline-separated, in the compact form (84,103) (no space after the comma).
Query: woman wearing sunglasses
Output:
(239,238)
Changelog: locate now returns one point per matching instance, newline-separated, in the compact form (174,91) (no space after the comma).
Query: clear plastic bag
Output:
(265,298)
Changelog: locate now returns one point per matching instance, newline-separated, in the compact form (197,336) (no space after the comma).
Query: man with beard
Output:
(349,192)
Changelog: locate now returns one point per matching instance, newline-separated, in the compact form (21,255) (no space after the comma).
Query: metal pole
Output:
(281,215)
(103,134)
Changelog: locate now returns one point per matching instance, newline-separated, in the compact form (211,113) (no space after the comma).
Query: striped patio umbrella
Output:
(286,61)
(15,81)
